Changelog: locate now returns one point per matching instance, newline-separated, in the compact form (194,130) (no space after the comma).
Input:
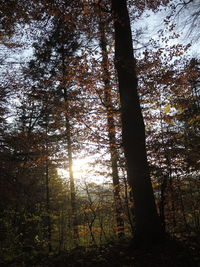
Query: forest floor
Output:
(184,253)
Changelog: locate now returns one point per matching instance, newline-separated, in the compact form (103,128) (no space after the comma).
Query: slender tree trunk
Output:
(91,217)
(48,208)
(165,176)
(71,176)
(69,152)
(47,194)
(61,231)
(148,226)
(111,132)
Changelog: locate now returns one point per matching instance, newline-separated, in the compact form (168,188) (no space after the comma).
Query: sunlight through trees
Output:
(99,126)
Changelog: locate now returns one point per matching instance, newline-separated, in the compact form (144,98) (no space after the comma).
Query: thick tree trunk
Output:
(148,226)
(111,132)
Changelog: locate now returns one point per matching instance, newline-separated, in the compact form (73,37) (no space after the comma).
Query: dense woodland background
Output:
(60,108)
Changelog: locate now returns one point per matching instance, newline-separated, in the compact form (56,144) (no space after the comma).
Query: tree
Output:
(59,85)
(55,53)
(111,128)
(148,226)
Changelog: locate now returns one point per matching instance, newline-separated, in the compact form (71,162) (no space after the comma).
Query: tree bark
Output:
(148,226)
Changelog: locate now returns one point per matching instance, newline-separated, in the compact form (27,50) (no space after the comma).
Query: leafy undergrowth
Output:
(184,253)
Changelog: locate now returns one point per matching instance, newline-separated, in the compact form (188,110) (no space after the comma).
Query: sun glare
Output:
(83,171)
(80,169)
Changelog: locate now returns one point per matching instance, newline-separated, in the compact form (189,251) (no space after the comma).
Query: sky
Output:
(151,23)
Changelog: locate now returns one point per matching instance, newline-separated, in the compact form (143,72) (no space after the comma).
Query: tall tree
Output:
(148,226)
(55,53)
(111,128)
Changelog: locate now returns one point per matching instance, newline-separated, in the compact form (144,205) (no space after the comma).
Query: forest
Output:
(99,133)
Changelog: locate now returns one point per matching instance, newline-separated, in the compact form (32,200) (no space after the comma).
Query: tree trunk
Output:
(111,132)
(69,151)
(148,226)
(71,175)
(47,193)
